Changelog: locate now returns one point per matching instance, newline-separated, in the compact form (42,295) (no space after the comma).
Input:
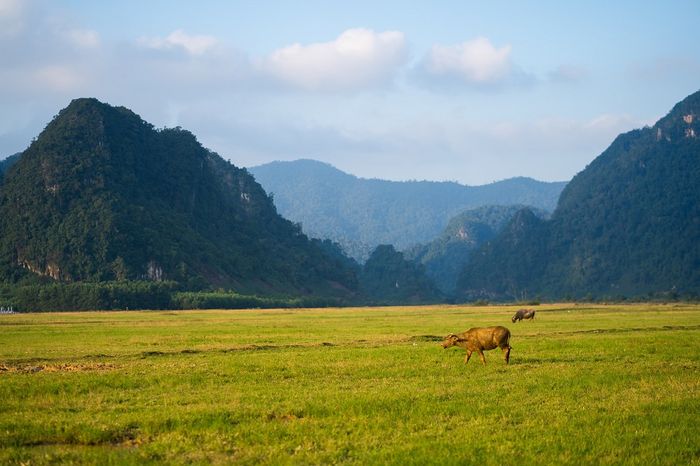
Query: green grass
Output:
(586,384)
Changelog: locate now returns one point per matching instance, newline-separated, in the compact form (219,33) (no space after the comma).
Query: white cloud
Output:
(405,133)
(83,38)
(615,124)
(10,8)
(59,78)
(568,74)
(476,61)
(356,59)
(179,39)
(672,67)
(10,17)
(478,151)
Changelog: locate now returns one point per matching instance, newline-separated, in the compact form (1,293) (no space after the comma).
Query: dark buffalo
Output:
(523,314)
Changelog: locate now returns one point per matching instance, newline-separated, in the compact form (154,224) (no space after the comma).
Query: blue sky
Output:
(465,91)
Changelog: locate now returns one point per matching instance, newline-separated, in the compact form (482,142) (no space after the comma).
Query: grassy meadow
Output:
(595,384)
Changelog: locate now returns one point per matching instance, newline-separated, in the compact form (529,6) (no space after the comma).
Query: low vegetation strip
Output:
(138,295)
(585,384)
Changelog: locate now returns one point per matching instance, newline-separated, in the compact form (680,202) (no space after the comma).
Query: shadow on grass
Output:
(530,361)
(125,435)
(417,338)
(603,331)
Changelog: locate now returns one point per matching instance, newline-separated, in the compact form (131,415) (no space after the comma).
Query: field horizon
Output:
(587,383)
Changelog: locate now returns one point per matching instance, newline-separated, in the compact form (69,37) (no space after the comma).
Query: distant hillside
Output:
(363,213)
(388,278)
(102,195)
(445,257)
(626,226)
(5,164)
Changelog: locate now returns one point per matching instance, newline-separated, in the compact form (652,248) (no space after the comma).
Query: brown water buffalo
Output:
(480,339)
(523,314)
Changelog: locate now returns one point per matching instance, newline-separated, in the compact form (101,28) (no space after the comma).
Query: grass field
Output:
(586,384)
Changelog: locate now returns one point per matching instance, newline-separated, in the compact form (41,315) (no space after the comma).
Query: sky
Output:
(466,91)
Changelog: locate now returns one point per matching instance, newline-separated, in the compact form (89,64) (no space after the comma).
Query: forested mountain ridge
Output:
(627,225)
(445,256)
(389,278)
(6,163)
(363,213)
(102,195)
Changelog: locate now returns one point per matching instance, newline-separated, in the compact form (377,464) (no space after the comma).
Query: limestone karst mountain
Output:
(101,195)
(628,225)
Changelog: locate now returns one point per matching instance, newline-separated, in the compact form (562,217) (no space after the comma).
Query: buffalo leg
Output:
(483,359)
(466,358)
(506,350)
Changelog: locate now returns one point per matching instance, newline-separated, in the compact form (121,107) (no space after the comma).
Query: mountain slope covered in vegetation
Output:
(446,256)
(363,213)
(626,226)
(101,195)
(388,278)
(6,163)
